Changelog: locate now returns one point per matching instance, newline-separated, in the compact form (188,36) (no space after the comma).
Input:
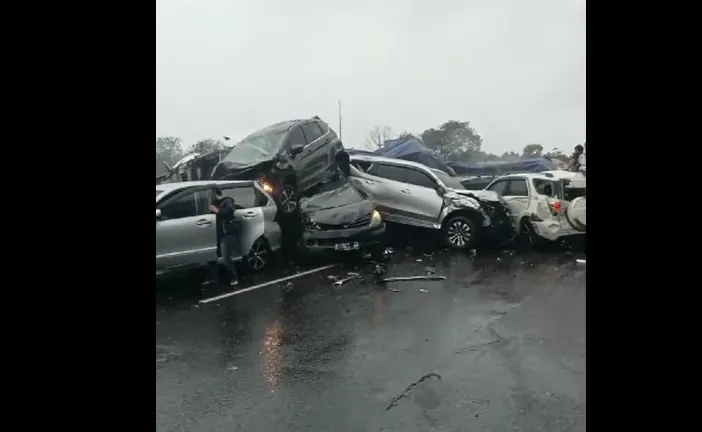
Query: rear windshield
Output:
(549,188)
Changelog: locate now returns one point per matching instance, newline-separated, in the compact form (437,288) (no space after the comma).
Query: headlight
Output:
(376,219)
(266,187)
(311,224)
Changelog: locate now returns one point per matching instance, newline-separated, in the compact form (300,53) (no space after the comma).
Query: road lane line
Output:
(265,284)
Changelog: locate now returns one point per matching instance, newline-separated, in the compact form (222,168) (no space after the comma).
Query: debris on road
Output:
(423,290)
(346,279)
(408,390)
(429,270)
(580,261)
(232,368)
(393,289)
(412,278)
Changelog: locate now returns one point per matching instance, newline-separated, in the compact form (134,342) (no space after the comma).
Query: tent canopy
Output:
(412,149)
(498,167)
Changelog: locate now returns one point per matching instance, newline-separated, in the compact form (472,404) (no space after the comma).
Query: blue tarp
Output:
(499,167)
(412,149)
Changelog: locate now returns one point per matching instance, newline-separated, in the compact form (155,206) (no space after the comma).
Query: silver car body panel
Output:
(191,241)
(407,203)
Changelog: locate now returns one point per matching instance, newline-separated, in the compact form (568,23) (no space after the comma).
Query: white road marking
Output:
(265,284)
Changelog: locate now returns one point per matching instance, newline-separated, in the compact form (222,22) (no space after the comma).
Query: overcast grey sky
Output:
(514,68)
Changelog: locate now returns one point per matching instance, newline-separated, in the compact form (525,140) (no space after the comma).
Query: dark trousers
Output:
(227,249)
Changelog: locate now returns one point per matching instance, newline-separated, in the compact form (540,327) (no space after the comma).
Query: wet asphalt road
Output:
(498,346)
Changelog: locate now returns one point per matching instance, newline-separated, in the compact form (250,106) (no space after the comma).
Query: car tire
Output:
(527,235)
(459,233)
(289,200)
(259,256)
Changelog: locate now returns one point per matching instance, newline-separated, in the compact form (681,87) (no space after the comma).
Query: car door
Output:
(516,195)
(500,186)
(299,161)
(316,158)
(186,232)
(383,183)
(419,198)
(250,218)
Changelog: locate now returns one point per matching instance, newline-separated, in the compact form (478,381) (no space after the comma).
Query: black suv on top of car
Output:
(287,158)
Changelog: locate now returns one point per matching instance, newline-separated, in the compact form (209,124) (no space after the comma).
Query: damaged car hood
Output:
(339,203)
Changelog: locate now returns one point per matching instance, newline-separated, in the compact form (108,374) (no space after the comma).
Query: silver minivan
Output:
(186,232)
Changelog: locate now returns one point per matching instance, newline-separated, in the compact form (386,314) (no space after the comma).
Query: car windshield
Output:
(256,148)
(334,194)
(158,192)
(447,180)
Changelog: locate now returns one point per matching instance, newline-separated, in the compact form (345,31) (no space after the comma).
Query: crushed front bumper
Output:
(366,237)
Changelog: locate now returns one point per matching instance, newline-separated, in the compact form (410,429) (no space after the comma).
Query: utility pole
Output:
(340,137)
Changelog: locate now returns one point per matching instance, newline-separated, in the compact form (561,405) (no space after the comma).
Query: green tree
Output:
(453,140)
(532,150)
(206,146)
(169,150)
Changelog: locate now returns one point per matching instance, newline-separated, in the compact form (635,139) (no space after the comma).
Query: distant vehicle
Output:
(341,218)
(544,206)
(186,233)
(410,193)
(287,158)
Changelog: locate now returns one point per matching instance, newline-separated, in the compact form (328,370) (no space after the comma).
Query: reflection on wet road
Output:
(498,346)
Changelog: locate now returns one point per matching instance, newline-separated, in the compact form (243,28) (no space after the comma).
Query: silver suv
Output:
(186,233)
(410,193)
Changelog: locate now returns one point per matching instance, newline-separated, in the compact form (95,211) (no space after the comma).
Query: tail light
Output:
(555,207)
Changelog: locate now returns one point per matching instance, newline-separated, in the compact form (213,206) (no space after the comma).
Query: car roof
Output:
(401,162)
(170,187)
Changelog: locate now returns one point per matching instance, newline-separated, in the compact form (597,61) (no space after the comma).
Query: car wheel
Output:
(527,235)
(288,199)
(259,255)
(459,233)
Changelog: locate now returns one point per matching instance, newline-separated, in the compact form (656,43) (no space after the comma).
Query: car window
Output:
(244,197)
(312,131)
(572,193)
(499,186)
(158,192)
(296,136)
(389,172)
(545,187)
(419,179)
(361,165)
(183,207)
(204,199)
(517,187)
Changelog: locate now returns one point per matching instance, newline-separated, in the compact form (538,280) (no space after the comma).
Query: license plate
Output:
(346,246)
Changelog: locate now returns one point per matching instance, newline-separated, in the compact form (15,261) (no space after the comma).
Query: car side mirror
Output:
(158,214)
(296,149)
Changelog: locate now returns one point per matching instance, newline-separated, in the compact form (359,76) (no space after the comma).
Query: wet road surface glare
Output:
(497,346)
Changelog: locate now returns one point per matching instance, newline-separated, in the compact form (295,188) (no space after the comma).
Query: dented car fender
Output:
(455,203)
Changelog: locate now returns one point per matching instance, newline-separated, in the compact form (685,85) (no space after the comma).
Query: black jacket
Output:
(226,223)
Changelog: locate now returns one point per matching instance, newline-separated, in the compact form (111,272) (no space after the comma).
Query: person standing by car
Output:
(574,164)
(227,226)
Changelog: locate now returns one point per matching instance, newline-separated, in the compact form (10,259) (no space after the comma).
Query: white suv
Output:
(548,205)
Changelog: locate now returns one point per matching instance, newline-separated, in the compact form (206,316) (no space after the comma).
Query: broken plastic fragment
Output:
(423,290)
(394,289)
(232,368)
(580,261)
(344,280)
(429,270)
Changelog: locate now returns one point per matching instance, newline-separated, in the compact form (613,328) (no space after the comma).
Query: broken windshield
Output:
(256,148)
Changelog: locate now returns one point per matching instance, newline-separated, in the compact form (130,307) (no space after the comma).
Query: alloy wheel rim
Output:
(257,255)
(287,200)
(459,234)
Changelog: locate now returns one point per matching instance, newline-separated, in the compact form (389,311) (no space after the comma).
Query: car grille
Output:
(355,224)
